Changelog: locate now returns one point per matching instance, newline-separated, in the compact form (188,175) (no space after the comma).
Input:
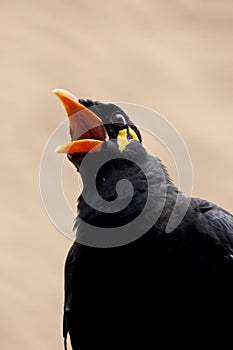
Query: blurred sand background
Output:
(175,57)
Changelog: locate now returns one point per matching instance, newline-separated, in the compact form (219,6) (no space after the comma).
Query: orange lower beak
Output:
(81,146)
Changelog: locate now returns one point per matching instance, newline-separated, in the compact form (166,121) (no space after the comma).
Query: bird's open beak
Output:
(87,129)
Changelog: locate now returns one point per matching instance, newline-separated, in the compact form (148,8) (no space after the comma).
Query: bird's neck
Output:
(122,190)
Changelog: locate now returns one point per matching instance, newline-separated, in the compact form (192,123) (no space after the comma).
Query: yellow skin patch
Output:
(122,138)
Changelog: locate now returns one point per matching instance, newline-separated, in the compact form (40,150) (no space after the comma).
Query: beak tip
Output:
(55,91)
(58,149)
(64,94)
(60,92)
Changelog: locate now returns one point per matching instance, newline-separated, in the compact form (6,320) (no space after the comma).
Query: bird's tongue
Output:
(85,125)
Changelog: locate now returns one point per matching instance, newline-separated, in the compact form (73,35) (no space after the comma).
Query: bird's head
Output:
(92,124)
(105,148)
(117,172)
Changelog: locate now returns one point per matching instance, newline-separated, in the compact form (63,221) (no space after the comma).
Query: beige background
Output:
(172,56)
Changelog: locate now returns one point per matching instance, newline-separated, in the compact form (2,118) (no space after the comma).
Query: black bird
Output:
(160,289)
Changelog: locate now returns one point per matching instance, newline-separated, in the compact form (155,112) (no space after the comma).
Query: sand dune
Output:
(172,56)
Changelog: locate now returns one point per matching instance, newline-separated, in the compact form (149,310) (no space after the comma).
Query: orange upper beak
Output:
(87,129)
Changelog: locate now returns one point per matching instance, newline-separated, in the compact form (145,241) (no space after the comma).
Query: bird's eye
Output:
(118,119)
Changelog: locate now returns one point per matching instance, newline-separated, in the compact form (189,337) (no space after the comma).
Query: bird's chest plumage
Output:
(125,293)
